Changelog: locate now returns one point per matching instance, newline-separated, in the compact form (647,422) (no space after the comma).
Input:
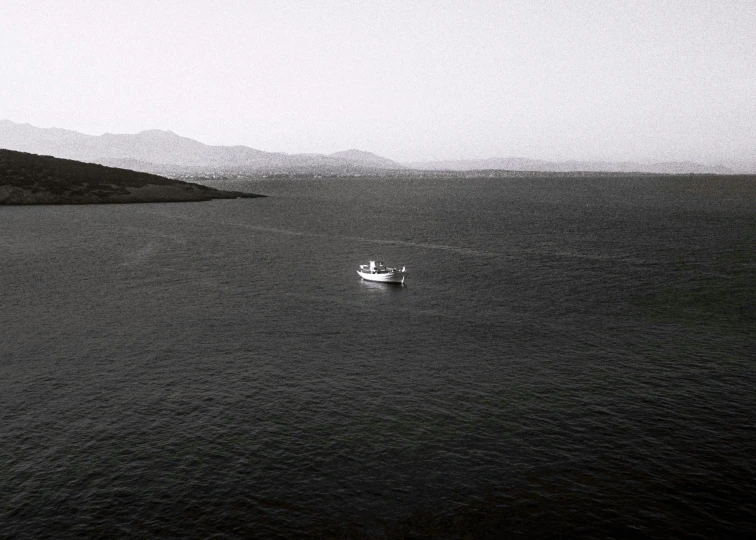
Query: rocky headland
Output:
(34,179)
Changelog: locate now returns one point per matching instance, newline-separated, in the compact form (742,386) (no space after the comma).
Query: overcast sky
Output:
(409,80)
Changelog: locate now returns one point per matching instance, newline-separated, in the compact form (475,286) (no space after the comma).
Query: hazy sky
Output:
(409,80)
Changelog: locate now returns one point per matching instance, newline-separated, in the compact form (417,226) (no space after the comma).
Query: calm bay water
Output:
(568,357)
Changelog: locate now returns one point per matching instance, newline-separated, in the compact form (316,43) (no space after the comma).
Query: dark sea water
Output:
(569,357)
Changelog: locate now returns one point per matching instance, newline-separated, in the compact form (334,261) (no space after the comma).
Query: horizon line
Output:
(718,163)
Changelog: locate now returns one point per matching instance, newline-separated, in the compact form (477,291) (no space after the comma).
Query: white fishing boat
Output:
(377,271)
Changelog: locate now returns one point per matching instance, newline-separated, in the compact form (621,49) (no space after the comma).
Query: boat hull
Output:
(383,277)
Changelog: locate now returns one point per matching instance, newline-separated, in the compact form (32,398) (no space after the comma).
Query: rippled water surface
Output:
(568,357)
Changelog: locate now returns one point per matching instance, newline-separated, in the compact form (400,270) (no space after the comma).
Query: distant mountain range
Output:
(523,164)
(164,152)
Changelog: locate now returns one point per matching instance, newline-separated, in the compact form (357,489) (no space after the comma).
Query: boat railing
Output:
(380,269)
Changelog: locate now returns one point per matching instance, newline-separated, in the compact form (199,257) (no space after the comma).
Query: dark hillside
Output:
(34,179)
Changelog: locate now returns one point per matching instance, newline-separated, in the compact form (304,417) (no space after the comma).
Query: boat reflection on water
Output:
(378,287)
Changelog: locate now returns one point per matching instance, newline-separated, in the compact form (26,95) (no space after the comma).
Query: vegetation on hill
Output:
(33,179)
